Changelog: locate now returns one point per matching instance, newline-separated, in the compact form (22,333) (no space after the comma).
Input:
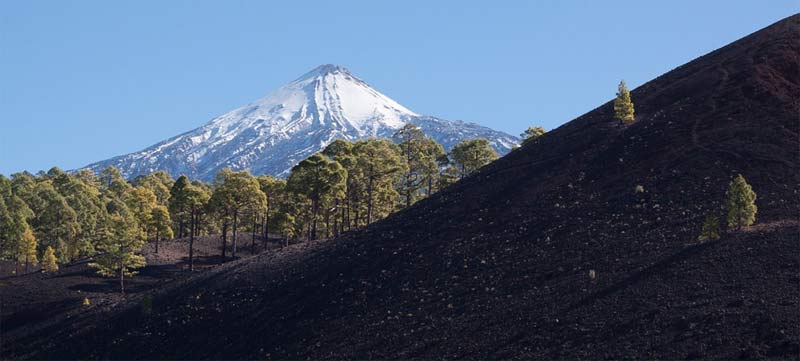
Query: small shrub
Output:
(49,261)
(710,229)
(86,301)
(639,189)
(147,304)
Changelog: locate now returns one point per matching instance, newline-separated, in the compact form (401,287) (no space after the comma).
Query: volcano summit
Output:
(272,134)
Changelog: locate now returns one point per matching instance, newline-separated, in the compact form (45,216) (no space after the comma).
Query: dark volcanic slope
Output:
(497,265)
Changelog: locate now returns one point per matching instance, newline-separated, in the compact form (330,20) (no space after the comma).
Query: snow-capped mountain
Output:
(272,134)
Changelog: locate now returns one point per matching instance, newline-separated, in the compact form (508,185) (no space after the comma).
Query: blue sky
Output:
(81,81)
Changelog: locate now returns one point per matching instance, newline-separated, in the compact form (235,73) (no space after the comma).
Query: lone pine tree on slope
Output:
(741,204)
(623,106)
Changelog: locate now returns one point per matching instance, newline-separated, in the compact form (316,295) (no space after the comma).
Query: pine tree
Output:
(378,163)
(49,261)
(27,249)
(710,229)
(160,224)
(274,189)
(531,134)
(319,179)
(121,245)
(179,204)
(111,181)
(89,210)
(471,154)
(197,197)
(741,204)
(235,194)
(623,106)
(420,153)
(141,201)
(56,223)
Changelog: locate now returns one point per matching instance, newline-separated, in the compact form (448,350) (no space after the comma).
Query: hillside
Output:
(497,265)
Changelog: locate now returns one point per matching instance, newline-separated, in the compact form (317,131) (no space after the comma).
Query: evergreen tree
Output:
(112,182)
(179,204)
(420,154)
(88,207)
(160,183)
(318,178)
(160,224)
(49,261)
(379,162)
(141,201)
(197,197)
(741,204)
(531,134)
(623,106)
(88,178)
(235,194)
(274,190)
(27,249)
(15,216)
(472,154)
(56,223)
(344,153)
(121,246)
(710,229)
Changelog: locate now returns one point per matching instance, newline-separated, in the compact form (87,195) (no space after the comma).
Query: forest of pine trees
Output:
(56,216)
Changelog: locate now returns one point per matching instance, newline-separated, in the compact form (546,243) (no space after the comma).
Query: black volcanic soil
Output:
(497,266)
(33,301)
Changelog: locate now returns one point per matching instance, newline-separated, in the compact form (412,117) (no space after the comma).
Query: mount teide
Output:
(272,134)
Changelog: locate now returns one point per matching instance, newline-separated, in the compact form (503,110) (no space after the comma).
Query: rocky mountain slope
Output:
(272,134)
(497,266)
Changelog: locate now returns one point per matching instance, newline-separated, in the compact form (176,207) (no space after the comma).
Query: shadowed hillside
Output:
(497,266)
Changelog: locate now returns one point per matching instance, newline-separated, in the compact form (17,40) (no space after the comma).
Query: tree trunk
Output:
(181,226)
(336,219)
(224,238)
(157,236)
(369,202)
(235,224)
(314,213)
(191,241)
(408,189)
(264,230)
(121,277)
(328,223)
(253,235)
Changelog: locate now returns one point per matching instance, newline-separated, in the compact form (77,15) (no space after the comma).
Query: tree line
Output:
(58,217)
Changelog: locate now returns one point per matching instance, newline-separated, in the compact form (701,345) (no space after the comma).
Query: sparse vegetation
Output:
(741,204)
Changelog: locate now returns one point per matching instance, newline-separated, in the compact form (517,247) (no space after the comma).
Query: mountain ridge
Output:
(273,133)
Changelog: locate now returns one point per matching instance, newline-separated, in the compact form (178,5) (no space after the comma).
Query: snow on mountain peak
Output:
(273,133)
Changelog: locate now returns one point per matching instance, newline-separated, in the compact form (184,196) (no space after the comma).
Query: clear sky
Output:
(82,81)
